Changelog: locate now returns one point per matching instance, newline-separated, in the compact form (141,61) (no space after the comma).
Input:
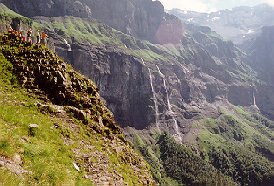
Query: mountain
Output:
(238,24)
(55,127)
(140,18)
(196,108)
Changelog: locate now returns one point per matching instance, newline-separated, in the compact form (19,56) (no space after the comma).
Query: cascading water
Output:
(176,128)
(154,100)
(154,96)
(164,82)
(68,45)
(254,100)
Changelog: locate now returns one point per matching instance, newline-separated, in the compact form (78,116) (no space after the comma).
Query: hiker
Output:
(21,36)
(44,38)
(10,30)
(29,35)
(38,37)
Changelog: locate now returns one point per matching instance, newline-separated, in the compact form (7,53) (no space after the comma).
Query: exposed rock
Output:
(13,166)
(49,8)
(33,129)
(17,159)
(37,68)
(238,24)
(145,19)
(76,166)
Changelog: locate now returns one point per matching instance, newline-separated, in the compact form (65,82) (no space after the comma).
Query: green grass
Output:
(59,141)
(7,14)
(236,137)
(90,31)
(45,154)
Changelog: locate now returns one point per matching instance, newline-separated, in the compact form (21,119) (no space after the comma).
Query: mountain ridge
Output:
(238,24)
(202,91)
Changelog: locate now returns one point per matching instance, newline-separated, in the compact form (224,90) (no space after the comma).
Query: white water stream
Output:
(68,45)
(154,96)
(154,100)
(176,128)
(254,99)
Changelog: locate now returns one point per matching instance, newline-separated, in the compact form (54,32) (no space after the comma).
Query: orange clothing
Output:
(44,35)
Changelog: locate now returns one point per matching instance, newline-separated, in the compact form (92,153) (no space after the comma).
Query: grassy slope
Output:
(97,33)
(61,139)
(45,154)
(246,127)
(239,143)
(91,31)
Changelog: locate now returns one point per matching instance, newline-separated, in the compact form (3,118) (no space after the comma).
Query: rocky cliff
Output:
(140,18)
(158,91)
(260,55)
(74,103)
(49,8)
(201,90)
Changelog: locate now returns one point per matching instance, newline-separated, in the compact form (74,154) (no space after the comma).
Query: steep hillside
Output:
(56,130)
(260,52)
(140,18)
(188,90)
(201,90)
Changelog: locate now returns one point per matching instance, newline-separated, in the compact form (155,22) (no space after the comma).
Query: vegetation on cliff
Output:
(75,139)
(232,149)
(235,147)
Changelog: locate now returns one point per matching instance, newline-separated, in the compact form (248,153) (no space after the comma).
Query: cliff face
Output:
(140,18)
(191,89)
(261,54)
(69,96)
(49,8)
(164,94)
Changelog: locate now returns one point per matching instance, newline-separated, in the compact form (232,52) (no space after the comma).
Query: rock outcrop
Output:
(261,54)
(43,73)
(49,8)
(145,19)
(161,93)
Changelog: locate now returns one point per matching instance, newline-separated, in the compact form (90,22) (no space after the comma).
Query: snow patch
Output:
(190,19)
(250,31)
(215,18)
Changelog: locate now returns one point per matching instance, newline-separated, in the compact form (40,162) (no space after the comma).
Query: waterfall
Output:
(176,128)
(164,82)
(254,99)
(154,99)
(154,96)
(68,45)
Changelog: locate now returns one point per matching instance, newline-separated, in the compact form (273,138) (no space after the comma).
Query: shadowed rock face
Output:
(261,57)
(49,8)
(142,93)
(169,31)
(140,18)
(261,54)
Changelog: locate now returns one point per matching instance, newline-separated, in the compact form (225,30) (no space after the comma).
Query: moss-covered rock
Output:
(89,132)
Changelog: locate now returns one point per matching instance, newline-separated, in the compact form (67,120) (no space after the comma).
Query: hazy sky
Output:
(210,5)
